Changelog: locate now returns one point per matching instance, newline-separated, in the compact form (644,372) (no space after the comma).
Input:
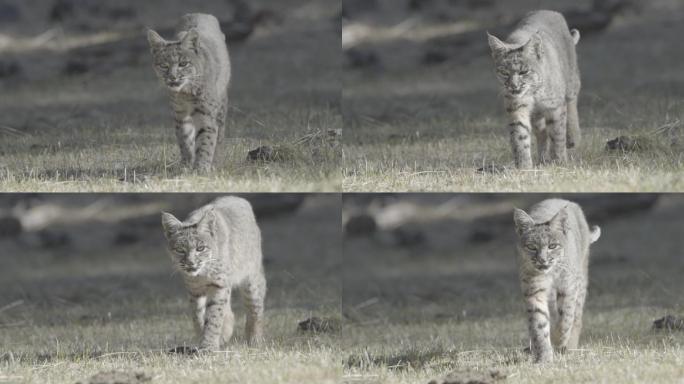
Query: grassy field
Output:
(86,112)
(453,303)
(107,299)
(412,125)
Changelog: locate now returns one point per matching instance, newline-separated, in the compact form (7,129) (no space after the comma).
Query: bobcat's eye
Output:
(200,248)
(164,66)
(183,64)
(554,246)
(525,72)
(531,247)
(179,250)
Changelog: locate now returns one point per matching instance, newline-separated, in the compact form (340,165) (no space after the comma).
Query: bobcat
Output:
(537,68)
(196,70)
(218,248)
(553,261)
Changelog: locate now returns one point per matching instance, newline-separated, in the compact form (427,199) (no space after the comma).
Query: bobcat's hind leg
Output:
(185,134)
(539,128)
(574,135)
(253,295)
(557,124)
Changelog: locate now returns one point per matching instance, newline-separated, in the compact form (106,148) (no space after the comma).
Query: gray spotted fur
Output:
(553,261)
(537,68)
(196,70)
(216,249)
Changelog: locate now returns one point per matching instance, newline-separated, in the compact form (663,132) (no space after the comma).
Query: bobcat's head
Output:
(541,245)
(518,67)
(192,246)
(176,62)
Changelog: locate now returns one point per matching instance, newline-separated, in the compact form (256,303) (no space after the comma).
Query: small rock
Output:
(264,153)
(184,350)
(492,168)
(117,377)
(360,225)
(629,143)
(320,325)
(669,322)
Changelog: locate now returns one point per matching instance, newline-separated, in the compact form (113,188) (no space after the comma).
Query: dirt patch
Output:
(117,377)
(471,377)
(320,325)
(669,322)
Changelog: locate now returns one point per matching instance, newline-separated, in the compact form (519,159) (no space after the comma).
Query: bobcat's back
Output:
(558,42)
(213,50)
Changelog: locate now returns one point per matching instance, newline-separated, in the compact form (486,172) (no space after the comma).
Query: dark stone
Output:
(184,350)
(360,225)
(320,325)
(263,153)
(492,168)
(669,322)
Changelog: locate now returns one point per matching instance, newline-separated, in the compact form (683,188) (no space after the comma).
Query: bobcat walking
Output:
(196,70)
(537,68)
(553,261)
(218,248)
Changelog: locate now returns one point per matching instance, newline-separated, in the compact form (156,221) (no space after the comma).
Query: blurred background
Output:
(85,274)
(428,276)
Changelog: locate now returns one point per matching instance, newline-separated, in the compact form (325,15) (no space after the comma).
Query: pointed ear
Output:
(497,46)
(523,221)
(533,47)
(191,40)
(170,224)
(207,221)
(155,40)
(559,221)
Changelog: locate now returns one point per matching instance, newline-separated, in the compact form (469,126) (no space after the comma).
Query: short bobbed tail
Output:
(595,233)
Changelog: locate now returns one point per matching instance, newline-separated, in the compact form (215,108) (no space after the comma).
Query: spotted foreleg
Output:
(538,319)
(217,308)
(519,124)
